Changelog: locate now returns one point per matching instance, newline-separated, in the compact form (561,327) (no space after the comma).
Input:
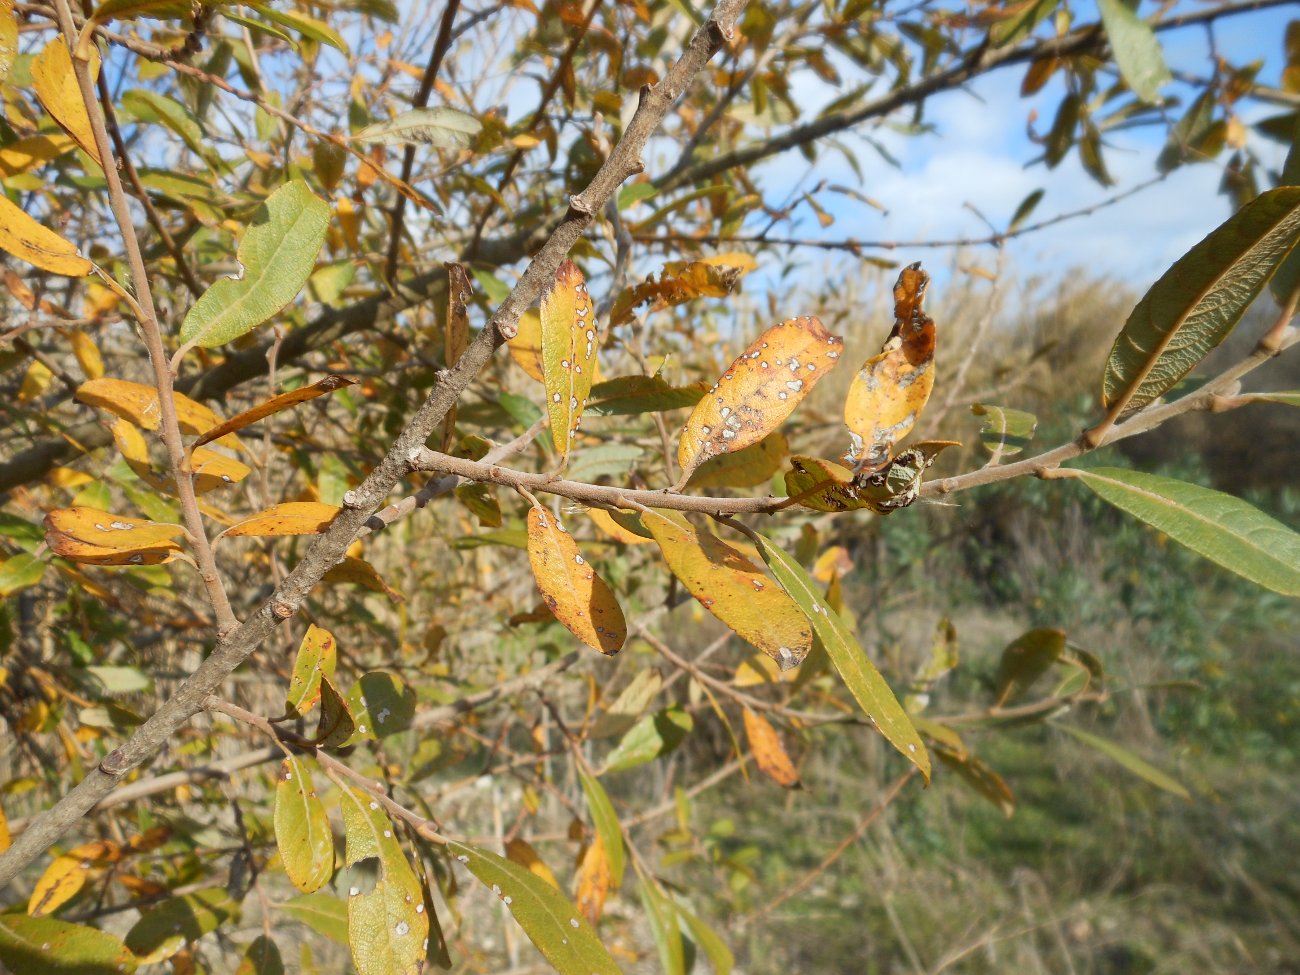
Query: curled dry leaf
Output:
(771,756)
(569,343)
(578,597)
(274,405)
(758,391)
(827,486)
(733,588)
(683,281)
(289,518)
(890,390)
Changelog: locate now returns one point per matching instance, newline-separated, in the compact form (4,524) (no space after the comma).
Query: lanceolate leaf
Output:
(289,518)
(1139,767)
(1026,659)
(302,830)
(731,587)
(1224,529)
(42,944)
(770,754)
(758,391)
(592,880)
(654,735)
(630,395)
(605,820)
(26,239)
(274,405)
(857,671)
(979,776)
(575,594)
(166,928)
(276,256)
(547,917)
(138,403)
(1199,300)
(443,128)
(569,343)
(64,878)
(56,86)
(1137,51)
(890,390)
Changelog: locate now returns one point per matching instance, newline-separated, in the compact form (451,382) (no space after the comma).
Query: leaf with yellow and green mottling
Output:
(570,338)
(302,830)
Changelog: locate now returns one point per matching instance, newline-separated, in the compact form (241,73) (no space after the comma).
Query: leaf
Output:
(139,404)
(152,106)
(826,486)
(442,128)
(635,395)
(67,874)
(455,339)
(858,673)
(628,706)
(749,467)
(526,347)
(719,954)
(323,913)
(654,735)
(1224,529)
(55,84)
(731,587)
(592,880)
(891,389)
(317,655)
(770,754)
(26,239)
(20,572)
(578,597)
(382,704)
(758,391)
(980,777)
(1137,53)
(287,518)
(50,947)
(302,830)
(274,405)
(569,344)
(1022,19)
(605,820)
(358,572)
(336,724)
(308,27)
(1024,661)
(165,929)
(1005,432)
(107,530)
(276,256)
(547,917)
(261,958)
(1026,207)
(388,926)
(8,38)
(661,914)
(1200,299)
(683,281)
(520,852)
(605,460)
(1139,767)
(617,525)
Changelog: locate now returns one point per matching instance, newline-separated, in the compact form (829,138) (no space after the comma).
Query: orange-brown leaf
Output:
(274,405)
(771,756)
(578,597)
(615,528)
(569,342)
(683,281)
(593,880)
(733,588)
(523,854)
(68,874)
(891,389)
(758,391)
(289,518)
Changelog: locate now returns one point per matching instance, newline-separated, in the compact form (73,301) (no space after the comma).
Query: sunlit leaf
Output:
(551,922)
(1139,767)
(274,405)
(302,830)
(138,403)
(1135,48)
(1224,529)
(605,820)
(42,944)
(526,347)
(569,342)
(758,391)
(654,735)
(749,467)
(68,873)
(719,955)
(891,389)
(276,256)
(442,128)
(56,87)
(1200,299)
(520,852)
(1024,661)
(857,671)
(317,655)
(732,587)
(683,281)
(20,572)
(620,526)
(288,518)
(8,38)
(578,597)
(26,239)
(309,27)
(770,754)
(592,880)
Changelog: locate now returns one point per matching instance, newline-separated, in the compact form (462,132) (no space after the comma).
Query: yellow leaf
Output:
(749,467)
(578,597)
(593,880)
(891,389)
(68,874)
(769,753)
(349,217)
(733,588)
(831,564)
(56,87)
(683,281)
(358,572)
(289,518)
(526,347)
(5,839)
(569,344)
(213,470)
(274,405)
(606,523)
(521,853)
(24,238)
(107,530)
(139,404)
(758,391)
(69,479)
(36,380)
(87,354)
(32,152)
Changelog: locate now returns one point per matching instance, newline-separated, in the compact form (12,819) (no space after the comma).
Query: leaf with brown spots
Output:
(578,597)
(891,389)
(732,587)
(683,281)
(569,342)
(758,391)
(771,756)
(64,878)
(289,518)
(98,537)
(593,880)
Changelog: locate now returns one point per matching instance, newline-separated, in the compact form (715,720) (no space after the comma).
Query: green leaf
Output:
(277,255)
(302,830)
(1199,300)
(1139,767)
(51,947)
(308,27)
(654,735)
(261,958)
(719,955)
(607,827)
(857,671)
(381,704)
(152,106)
(510,537)
(323,913)
(661,913)
(606,460)
(1026,659)
(20,572)
(388,928)
(164,930)
(1224,529)
(634,193)
(548,918)
(1287,278)
(127,9)
(336,724)
(1005,432)
(747,467)
(1026,207)
(521,409)
(628,706)
(1022,23)
(1188,134)
(443,128)
(633,395)
(119,680)
(317,655)
(1137,52)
